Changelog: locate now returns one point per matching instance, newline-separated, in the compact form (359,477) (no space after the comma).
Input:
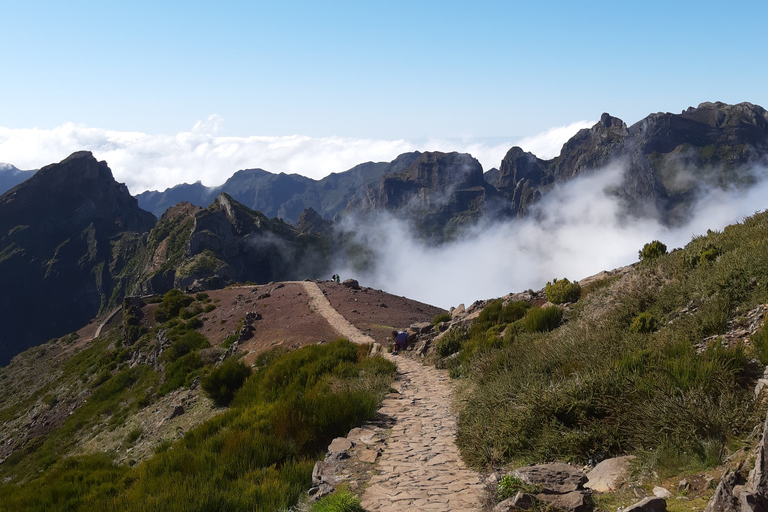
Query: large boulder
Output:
(609,474)
(554,478)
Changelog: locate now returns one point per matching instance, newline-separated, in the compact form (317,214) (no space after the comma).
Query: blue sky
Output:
(380,70)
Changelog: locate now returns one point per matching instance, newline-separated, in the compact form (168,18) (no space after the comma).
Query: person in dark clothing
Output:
(401,341)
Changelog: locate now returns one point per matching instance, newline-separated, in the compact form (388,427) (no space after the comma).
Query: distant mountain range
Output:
(73,239)
(10,176)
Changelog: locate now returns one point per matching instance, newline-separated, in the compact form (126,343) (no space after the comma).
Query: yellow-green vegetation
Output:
(510,485)
(204,263)
(440,318)
(341,501)
(560,292)
(256,456)
(652,250)
(628,372)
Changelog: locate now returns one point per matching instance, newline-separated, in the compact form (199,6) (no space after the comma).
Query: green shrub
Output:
(184,344)
(559,292)
(181,372)
(133,435)
(224,380)
(652,250)
(440,318)
(760,342)
(542,319)
(510,485)
(643,323)
(340,501)
(171,305)
(450,343)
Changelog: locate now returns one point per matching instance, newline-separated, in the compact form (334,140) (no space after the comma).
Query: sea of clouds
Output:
(156,162)
(577,230)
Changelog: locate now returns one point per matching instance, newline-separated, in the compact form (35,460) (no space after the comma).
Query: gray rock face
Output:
(555,478)
(733,494)
(667,158)
(574,501)
(648,505)
(520,501)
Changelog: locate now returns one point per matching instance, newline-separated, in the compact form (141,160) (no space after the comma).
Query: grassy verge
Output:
(258,455)
(628,371)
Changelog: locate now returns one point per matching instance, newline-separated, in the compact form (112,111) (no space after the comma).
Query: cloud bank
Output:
(156,162)
(577,230)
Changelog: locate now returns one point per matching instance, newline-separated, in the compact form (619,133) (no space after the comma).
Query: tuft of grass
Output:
(542,319)
(340,501)
(510,485)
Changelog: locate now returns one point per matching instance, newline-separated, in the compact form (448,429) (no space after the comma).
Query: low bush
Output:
(450,343)
(560,292)
(652,250)
(184,344)
(224,380)
(759,342)
(510,485)
(172,303)
(643,323)
(440,318)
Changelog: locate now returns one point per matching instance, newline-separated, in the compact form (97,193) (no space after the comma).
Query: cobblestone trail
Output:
(419,468)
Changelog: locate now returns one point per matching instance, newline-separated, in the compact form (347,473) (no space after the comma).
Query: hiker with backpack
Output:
(401,341)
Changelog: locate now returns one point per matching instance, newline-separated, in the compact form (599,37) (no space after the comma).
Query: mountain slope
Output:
(66,236)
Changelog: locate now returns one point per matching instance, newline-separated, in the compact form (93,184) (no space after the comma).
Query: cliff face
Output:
(66,237)
(438,192)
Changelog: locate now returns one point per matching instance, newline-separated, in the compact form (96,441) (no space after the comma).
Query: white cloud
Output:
(576,231)
(155,162)
(548,144)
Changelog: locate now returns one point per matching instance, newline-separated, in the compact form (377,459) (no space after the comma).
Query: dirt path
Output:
(419,468)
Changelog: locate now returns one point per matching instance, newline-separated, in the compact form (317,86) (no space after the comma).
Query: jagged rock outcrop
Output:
(194,248)
(67,236)
(311,222)
(438,192)
(734,493)
(667,159)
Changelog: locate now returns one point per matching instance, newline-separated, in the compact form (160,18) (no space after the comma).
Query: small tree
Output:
(652,250)
(562,291)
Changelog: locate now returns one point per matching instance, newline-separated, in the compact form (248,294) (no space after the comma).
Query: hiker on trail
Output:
(335,278)
(401,341)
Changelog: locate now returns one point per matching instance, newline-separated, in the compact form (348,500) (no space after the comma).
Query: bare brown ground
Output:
(375,312)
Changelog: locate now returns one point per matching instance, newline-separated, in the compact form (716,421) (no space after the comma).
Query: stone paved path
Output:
(419,468)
